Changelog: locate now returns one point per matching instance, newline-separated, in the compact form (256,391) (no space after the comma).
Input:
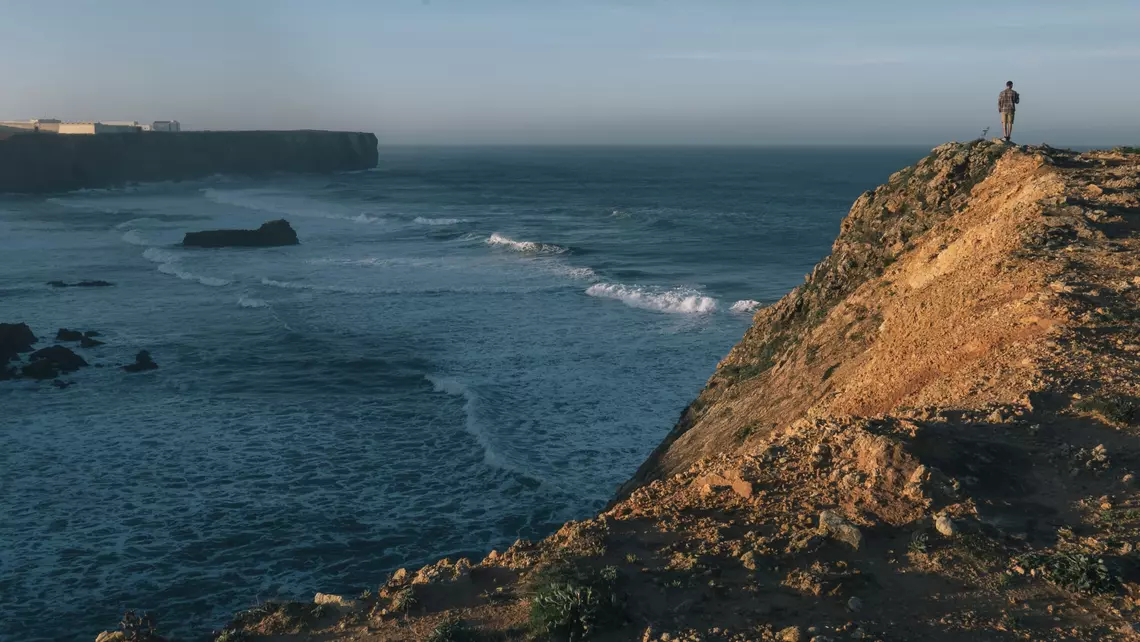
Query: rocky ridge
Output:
(933,438)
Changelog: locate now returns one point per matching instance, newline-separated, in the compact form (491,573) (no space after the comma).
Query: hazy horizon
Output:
(508,72)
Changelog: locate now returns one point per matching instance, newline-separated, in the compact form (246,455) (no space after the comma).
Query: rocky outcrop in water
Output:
(143,362)
(49,363)
(54,163)
(80,284)
(271,234)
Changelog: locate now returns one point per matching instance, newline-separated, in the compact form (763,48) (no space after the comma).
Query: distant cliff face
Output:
(50,163)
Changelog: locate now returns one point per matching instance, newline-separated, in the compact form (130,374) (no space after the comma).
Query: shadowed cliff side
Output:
(51,163)
(934,438)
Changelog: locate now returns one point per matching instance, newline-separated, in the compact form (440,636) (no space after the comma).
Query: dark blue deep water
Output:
(469,346)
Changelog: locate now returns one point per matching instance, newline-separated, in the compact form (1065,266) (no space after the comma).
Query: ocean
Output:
(469,346)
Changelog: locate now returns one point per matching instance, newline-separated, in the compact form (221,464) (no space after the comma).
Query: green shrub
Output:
(139,628)
(453,630)
(918,542)
(1075,571)
(572,603)
(405,600)
(1114,408)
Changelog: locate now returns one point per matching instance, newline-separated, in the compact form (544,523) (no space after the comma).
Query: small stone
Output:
(790,634)
(329,598)
(748,560)
(492,556)
(1128,479)
(834,526)
(399,577)
(110,636)
(944,525)
(855,605)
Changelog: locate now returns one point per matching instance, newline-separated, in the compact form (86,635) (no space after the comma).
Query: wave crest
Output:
(420,220)
(528,247)
(675,301)
(168,264)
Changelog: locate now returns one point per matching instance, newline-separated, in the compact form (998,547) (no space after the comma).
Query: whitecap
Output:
(745,305)
(292,285)
(134,238)
(676,300)
(250,302)
(168,263)
(528,247)
(420,220)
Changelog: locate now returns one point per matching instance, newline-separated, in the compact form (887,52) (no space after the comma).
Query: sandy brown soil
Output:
(933,438)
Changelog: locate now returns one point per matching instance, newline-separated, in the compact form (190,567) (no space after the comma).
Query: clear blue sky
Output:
(584,71)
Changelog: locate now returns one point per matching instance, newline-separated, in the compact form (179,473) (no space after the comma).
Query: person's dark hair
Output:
(1009,83)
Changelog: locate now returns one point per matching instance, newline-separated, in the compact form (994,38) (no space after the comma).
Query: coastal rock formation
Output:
(933,438)
(143,362)
(270,234)
(52,163)
(49,363)
(63,334)
(14,339)
(80,284)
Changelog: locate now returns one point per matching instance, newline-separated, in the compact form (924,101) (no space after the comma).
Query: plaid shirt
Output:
(1007,100)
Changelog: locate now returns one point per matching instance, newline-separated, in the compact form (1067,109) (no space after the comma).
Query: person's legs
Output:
(1007,124)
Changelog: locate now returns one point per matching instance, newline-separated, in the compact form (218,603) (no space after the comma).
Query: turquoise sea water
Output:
(469,346)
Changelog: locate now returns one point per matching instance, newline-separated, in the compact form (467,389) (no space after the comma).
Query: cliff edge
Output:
(933,438)
(31,163)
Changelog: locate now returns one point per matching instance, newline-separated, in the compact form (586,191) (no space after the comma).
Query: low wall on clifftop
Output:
(52,163)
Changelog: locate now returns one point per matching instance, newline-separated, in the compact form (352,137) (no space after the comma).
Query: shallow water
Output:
(469,346)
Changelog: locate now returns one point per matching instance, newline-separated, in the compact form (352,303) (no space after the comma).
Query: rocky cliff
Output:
(933,438)
(49,163)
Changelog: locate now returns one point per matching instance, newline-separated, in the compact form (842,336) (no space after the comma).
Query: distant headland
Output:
(47,155)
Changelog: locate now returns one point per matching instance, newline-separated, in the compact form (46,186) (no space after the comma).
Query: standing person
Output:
(1007,105)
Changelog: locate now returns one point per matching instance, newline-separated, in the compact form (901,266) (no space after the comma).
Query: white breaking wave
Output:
(745,305)
(676,300)
(135,222)
(471,425)
(529,247)
(582,273)
(439,221)
(286,204)
(168,264)
(250,302)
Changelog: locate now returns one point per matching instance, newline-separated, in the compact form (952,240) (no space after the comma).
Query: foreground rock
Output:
(143,362)
(49,363)
(271,234)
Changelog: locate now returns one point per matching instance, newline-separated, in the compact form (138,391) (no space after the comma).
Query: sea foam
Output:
(168,263)
(745,305)
(420,220)
(528,247)
(676,300)
(471,425)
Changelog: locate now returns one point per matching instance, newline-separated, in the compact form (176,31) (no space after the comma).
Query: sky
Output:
(712,72)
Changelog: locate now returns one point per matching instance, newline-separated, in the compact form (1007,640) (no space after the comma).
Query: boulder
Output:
(14,338)
(944,525)
(142,362)
(271,234)
(49,362)
(88,342)
(835,527)
(68,335)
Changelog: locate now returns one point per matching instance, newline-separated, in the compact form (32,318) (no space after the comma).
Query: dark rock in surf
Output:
(88,342)
(80,284)
(68,335)
(14,339)
(271,234)
(49,363)
(142,363)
